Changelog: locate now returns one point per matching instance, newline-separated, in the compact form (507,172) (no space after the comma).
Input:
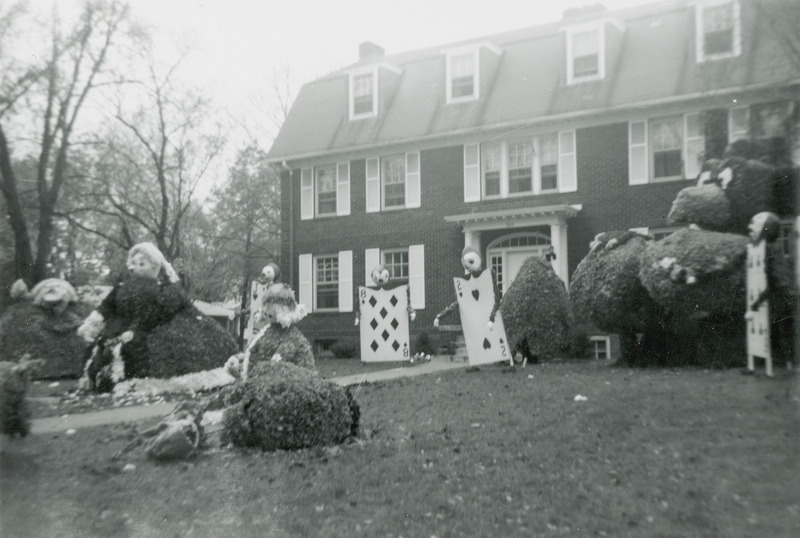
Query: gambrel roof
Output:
(650,59)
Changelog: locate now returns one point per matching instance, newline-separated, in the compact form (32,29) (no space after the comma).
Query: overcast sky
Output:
(238,45)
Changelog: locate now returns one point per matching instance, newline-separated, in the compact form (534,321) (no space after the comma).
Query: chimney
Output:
(584,11)
(369,50)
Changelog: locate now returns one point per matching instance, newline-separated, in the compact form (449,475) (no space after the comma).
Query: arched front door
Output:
(506,254)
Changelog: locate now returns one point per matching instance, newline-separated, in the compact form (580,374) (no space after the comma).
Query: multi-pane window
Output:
(586,54)
(326,278)
(520,160)
(462,76)
(548,160)
(363,94)
(326,190)
(666,137)
(496,264)
(602,347)
(393,173)
(491,158)
(396,261)
(718,29)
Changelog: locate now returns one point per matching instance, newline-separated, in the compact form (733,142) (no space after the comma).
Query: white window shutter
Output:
(567,169)
(306,284)
(472,173)
(346,281)
(343,189)
(637,153)
(412,180)
(373,186)
(416,275)
(306,193)
(695,145)
(372,258)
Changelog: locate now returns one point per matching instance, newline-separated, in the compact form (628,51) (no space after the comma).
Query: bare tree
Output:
(150,164)
(49,93)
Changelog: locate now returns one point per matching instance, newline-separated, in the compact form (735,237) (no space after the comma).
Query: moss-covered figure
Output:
(147,324)
(536,311)
(687,299)
(282,406)
(41,324)
(14,412)
(280,340)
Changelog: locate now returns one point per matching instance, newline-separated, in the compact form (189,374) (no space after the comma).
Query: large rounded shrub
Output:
(189,342)
(26,329)
(697,273)
(282,406)
(605,288)
(536,310)
(704,205)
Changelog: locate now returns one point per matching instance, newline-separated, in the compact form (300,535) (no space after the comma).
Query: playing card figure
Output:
(383,314)
(257,321)
(478,300)
(770,295)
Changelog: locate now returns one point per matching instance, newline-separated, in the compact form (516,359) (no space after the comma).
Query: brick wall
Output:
(609,203)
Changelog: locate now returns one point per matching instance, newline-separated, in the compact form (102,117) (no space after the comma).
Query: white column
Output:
(558,238)
(472,238)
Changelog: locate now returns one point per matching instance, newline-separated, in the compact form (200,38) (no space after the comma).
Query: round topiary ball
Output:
(605,288)
(536,310)
(282,406)
(704,205)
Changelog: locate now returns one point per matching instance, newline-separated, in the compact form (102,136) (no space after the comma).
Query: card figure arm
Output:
(412,314)
(447,311)
(497,295)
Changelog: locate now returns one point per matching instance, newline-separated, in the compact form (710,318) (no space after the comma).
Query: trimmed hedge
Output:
(706,205)
(536,310)
(283,406)
(605,288)
(288,342)
(697,273)
(28,329)
(189,342)
(14,412)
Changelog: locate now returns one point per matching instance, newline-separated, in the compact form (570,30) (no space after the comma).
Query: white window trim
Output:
(371,71)
(600,28)
(701,56)
(316,191)
(315,281)
(375,184)
(401,250)
(647,145)
(604,339)
(475,51)
(536,172)
(309,203)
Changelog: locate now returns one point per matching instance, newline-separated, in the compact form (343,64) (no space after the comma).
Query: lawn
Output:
(487,452)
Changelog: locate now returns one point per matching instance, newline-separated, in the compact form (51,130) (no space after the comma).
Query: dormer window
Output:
(462,76)
(718,32)
(363,95)
(585,53)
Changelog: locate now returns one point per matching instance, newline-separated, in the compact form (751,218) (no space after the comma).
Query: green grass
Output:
(493,452)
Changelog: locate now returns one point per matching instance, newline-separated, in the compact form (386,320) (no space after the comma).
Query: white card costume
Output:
(384,324)
(256,322)
(758,328)
(476,298)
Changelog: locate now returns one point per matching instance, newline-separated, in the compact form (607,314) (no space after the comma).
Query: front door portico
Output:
(511,257)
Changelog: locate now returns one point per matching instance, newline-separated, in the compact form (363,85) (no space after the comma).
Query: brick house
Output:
(517,143)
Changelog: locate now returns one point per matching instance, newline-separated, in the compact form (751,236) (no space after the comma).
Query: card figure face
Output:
(475,302)
(256,310)
(758,337)
(384,324)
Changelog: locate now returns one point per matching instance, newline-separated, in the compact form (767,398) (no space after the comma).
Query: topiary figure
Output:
(606,291)
(282,406)
(698,276)
(41,324)
(536,311)
(146,326)
(696,273)
(704,205)
(14,380)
